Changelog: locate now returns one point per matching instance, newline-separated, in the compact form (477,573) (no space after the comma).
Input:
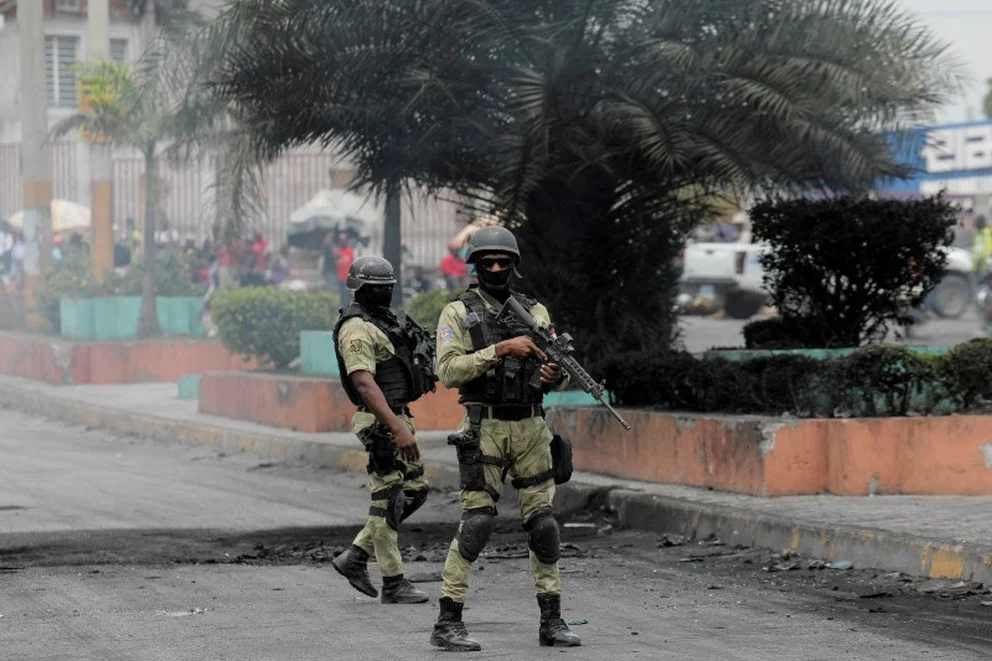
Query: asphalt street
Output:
(702,333)
(123,548)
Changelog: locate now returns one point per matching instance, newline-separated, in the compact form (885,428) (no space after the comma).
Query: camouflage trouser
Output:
(378,538)
(526,445)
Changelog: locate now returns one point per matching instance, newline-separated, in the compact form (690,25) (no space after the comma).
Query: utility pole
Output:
(101,165)
(36,170)
(392,237)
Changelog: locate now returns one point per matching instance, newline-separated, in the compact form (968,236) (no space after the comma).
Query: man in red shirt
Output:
(455,270)
(344,255)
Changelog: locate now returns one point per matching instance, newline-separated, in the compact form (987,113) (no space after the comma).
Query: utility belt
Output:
(509,412)
(472,462)
(399,409)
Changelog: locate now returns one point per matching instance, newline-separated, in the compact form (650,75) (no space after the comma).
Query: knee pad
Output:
(477,526)
(413,501)
(545,538)
(395,504)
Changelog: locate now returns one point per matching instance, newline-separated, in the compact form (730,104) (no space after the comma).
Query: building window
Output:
(118,50)
(67,5)
(61,53)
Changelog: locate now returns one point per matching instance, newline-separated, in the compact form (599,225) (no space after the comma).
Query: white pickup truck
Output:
(733,271)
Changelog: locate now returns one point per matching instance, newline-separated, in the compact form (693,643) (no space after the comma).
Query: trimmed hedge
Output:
(265,322)
(875,381)
(426,307)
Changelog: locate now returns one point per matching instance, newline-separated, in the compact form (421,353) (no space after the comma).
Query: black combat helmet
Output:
(492,239)
(370,270)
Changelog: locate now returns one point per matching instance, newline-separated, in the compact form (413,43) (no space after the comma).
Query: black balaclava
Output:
(496,284)
(374,296)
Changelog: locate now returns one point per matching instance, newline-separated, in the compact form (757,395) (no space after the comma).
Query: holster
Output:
(468,447)
(378,442)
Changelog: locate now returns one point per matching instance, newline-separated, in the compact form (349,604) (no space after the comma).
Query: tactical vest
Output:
(405,376)
(506,383)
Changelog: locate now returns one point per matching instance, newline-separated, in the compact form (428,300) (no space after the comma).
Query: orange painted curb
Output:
(760,456)
(308,404)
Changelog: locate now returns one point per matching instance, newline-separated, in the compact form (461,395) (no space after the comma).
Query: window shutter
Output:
(68,47)
(118,50)
(50,70)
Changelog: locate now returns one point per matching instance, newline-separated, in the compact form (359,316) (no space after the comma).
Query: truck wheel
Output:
(743,305)
(952,297)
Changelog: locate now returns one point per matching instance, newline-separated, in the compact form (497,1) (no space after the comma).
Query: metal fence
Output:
(185,195)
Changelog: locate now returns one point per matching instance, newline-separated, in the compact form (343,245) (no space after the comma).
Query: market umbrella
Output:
(337,211)
(66,217)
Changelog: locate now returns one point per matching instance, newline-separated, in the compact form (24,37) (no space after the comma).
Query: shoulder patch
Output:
(445,334)
(355,347)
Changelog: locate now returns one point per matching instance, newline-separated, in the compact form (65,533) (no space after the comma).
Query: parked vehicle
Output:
(734,272)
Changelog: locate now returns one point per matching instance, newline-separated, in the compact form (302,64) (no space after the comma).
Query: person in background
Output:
(57,248)
(981,248)
(454,269)
(344,256)
(17,255)
(279,266)
(328,264)
(136,239)
(76,242)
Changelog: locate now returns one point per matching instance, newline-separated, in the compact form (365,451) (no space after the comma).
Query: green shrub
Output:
(842,270)
(265,322)
(680,381)
(882,380)
(967,370)
(70,278)
(426,307)
(876,381)
(173,277)
(771,334)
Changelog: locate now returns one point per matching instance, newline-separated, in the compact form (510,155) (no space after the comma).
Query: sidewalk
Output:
(938,537)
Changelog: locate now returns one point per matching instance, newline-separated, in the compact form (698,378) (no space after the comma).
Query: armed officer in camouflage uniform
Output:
(502,376)
(385,362)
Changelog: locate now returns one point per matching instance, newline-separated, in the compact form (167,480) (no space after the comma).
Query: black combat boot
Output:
(449,632)
(398,590)
(554,632)
(353,564)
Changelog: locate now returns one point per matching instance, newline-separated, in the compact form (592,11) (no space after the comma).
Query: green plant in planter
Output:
(426,307)
(882,380)
(71,278)
(842,270)
(967,370)
(265,322)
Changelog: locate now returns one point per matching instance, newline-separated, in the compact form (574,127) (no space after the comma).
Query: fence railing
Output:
(185,195)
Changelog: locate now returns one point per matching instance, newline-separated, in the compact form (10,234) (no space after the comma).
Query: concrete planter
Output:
(309,404)
(59,362)
(770,456)
(318,356)
(77,319)
(116,317)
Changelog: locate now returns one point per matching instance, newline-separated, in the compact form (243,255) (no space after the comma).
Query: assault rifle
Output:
(559,350)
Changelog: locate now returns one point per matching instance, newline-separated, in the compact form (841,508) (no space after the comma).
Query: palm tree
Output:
(598,128)
(132,111)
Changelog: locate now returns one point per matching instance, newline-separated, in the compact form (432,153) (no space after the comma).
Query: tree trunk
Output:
(391,239)
(148,319)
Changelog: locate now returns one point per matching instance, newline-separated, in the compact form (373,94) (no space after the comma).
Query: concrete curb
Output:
(914,555)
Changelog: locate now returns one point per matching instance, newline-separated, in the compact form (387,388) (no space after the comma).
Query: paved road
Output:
(702,333)
(120,548)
